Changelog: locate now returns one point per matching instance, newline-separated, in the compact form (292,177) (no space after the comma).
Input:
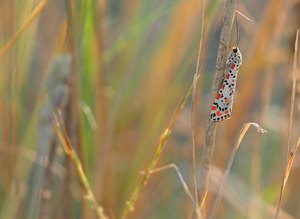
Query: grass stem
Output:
(236,147)
(66,143)
(194,110)
(290,155)
(159,148)
(39,8)
(207,153)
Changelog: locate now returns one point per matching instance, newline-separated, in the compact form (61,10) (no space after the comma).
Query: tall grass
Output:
(129,106)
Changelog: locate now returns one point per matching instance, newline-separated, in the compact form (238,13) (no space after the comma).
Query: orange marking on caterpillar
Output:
(213,107)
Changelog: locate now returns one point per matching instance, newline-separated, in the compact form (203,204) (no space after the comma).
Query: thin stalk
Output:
(67,146)
(207,153)
(195,109)
(159,148)
(236,147)
(39,8)
(288,155)
(184,185)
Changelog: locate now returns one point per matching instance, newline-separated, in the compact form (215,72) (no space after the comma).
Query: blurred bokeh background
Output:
(118,70)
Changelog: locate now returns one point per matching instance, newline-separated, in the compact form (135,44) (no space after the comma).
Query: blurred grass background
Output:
(118,70)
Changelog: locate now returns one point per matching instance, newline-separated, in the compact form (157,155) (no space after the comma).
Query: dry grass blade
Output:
(244,16)
(290,155)
(185,187)
(239,194)
(194,109)
(230,7)
(66,143)
(291,161)
(39,8)
(244,130)
(159,148)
